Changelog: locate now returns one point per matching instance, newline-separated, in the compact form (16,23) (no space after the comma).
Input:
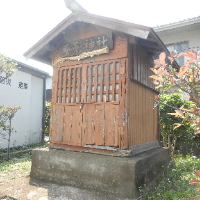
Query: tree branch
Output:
(182,110)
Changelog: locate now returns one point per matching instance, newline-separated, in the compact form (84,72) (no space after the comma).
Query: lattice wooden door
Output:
(87,104)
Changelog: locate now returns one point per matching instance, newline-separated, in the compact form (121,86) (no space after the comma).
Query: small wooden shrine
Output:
(101,103)
(102,92)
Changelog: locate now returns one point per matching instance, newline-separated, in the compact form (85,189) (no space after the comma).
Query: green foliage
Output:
(175,184)
(185,78)
(7,66)
(23,148)
(15,163)
(171,137)
(15,168)
(6,115)
(196,181)
(176,101)
(47,117)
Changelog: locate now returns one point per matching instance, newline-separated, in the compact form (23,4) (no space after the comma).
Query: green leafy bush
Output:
(175,137)
(175,184)
(6,116)
(47,117)
(7,66)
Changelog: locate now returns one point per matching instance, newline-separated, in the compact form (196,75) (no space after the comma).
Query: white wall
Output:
(188,33)
(28,120)
(48,83)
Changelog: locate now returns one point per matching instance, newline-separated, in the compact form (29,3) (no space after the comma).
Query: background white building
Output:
(25,88)
(180,36)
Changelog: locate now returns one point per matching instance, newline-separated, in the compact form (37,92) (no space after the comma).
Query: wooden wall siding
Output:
(141,64)
(97,115)
(143,119)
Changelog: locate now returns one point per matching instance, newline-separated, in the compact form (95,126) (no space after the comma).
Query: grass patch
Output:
(22,148)
(15,163)
(15,168)
(175,183)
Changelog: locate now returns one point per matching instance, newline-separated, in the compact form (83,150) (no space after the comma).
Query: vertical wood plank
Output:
(84,79)
(98,119)
(135,61)
(107,81)
(95,83)
(73,85)
(79,83)
(89,83)
(69,85)
(60,86)
(76,128)
(114,80)
(101,83)
(64,86)
(59,124)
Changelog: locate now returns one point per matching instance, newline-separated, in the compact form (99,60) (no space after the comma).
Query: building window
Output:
(179,47)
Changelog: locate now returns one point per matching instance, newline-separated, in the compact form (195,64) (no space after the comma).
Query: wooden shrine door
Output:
(88,109)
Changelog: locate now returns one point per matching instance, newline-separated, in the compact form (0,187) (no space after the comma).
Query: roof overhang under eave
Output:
(113,24)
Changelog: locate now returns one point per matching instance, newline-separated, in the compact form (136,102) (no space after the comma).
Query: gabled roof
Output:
(185,22)
(42,50)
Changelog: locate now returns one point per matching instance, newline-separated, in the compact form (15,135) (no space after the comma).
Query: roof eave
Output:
(48,37)
(176,25)
(117,25)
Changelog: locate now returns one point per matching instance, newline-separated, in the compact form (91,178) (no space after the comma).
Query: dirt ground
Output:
(18,185)
(25,188)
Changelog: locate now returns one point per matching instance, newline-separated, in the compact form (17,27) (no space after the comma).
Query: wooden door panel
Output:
(88,125)
(88,108)
(72,131)
(111,127)
(100,124)
(59,125)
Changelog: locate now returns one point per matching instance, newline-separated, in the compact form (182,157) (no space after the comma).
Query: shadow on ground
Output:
(26,188)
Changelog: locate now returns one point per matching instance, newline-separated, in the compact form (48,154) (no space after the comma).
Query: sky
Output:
(24,22)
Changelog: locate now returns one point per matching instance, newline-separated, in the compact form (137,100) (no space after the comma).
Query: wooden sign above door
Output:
(78,47)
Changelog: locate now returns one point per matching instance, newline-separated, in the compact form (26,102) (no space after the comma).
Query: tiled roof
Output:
(179,23)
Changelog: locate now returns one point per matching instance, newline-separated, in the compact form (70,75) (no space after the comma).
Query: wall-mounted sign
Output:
(23,85)
(78,47)
(4,80)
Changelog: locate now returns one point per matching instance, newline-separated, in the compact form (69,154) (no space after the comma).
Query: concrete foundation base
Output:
(118,176)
